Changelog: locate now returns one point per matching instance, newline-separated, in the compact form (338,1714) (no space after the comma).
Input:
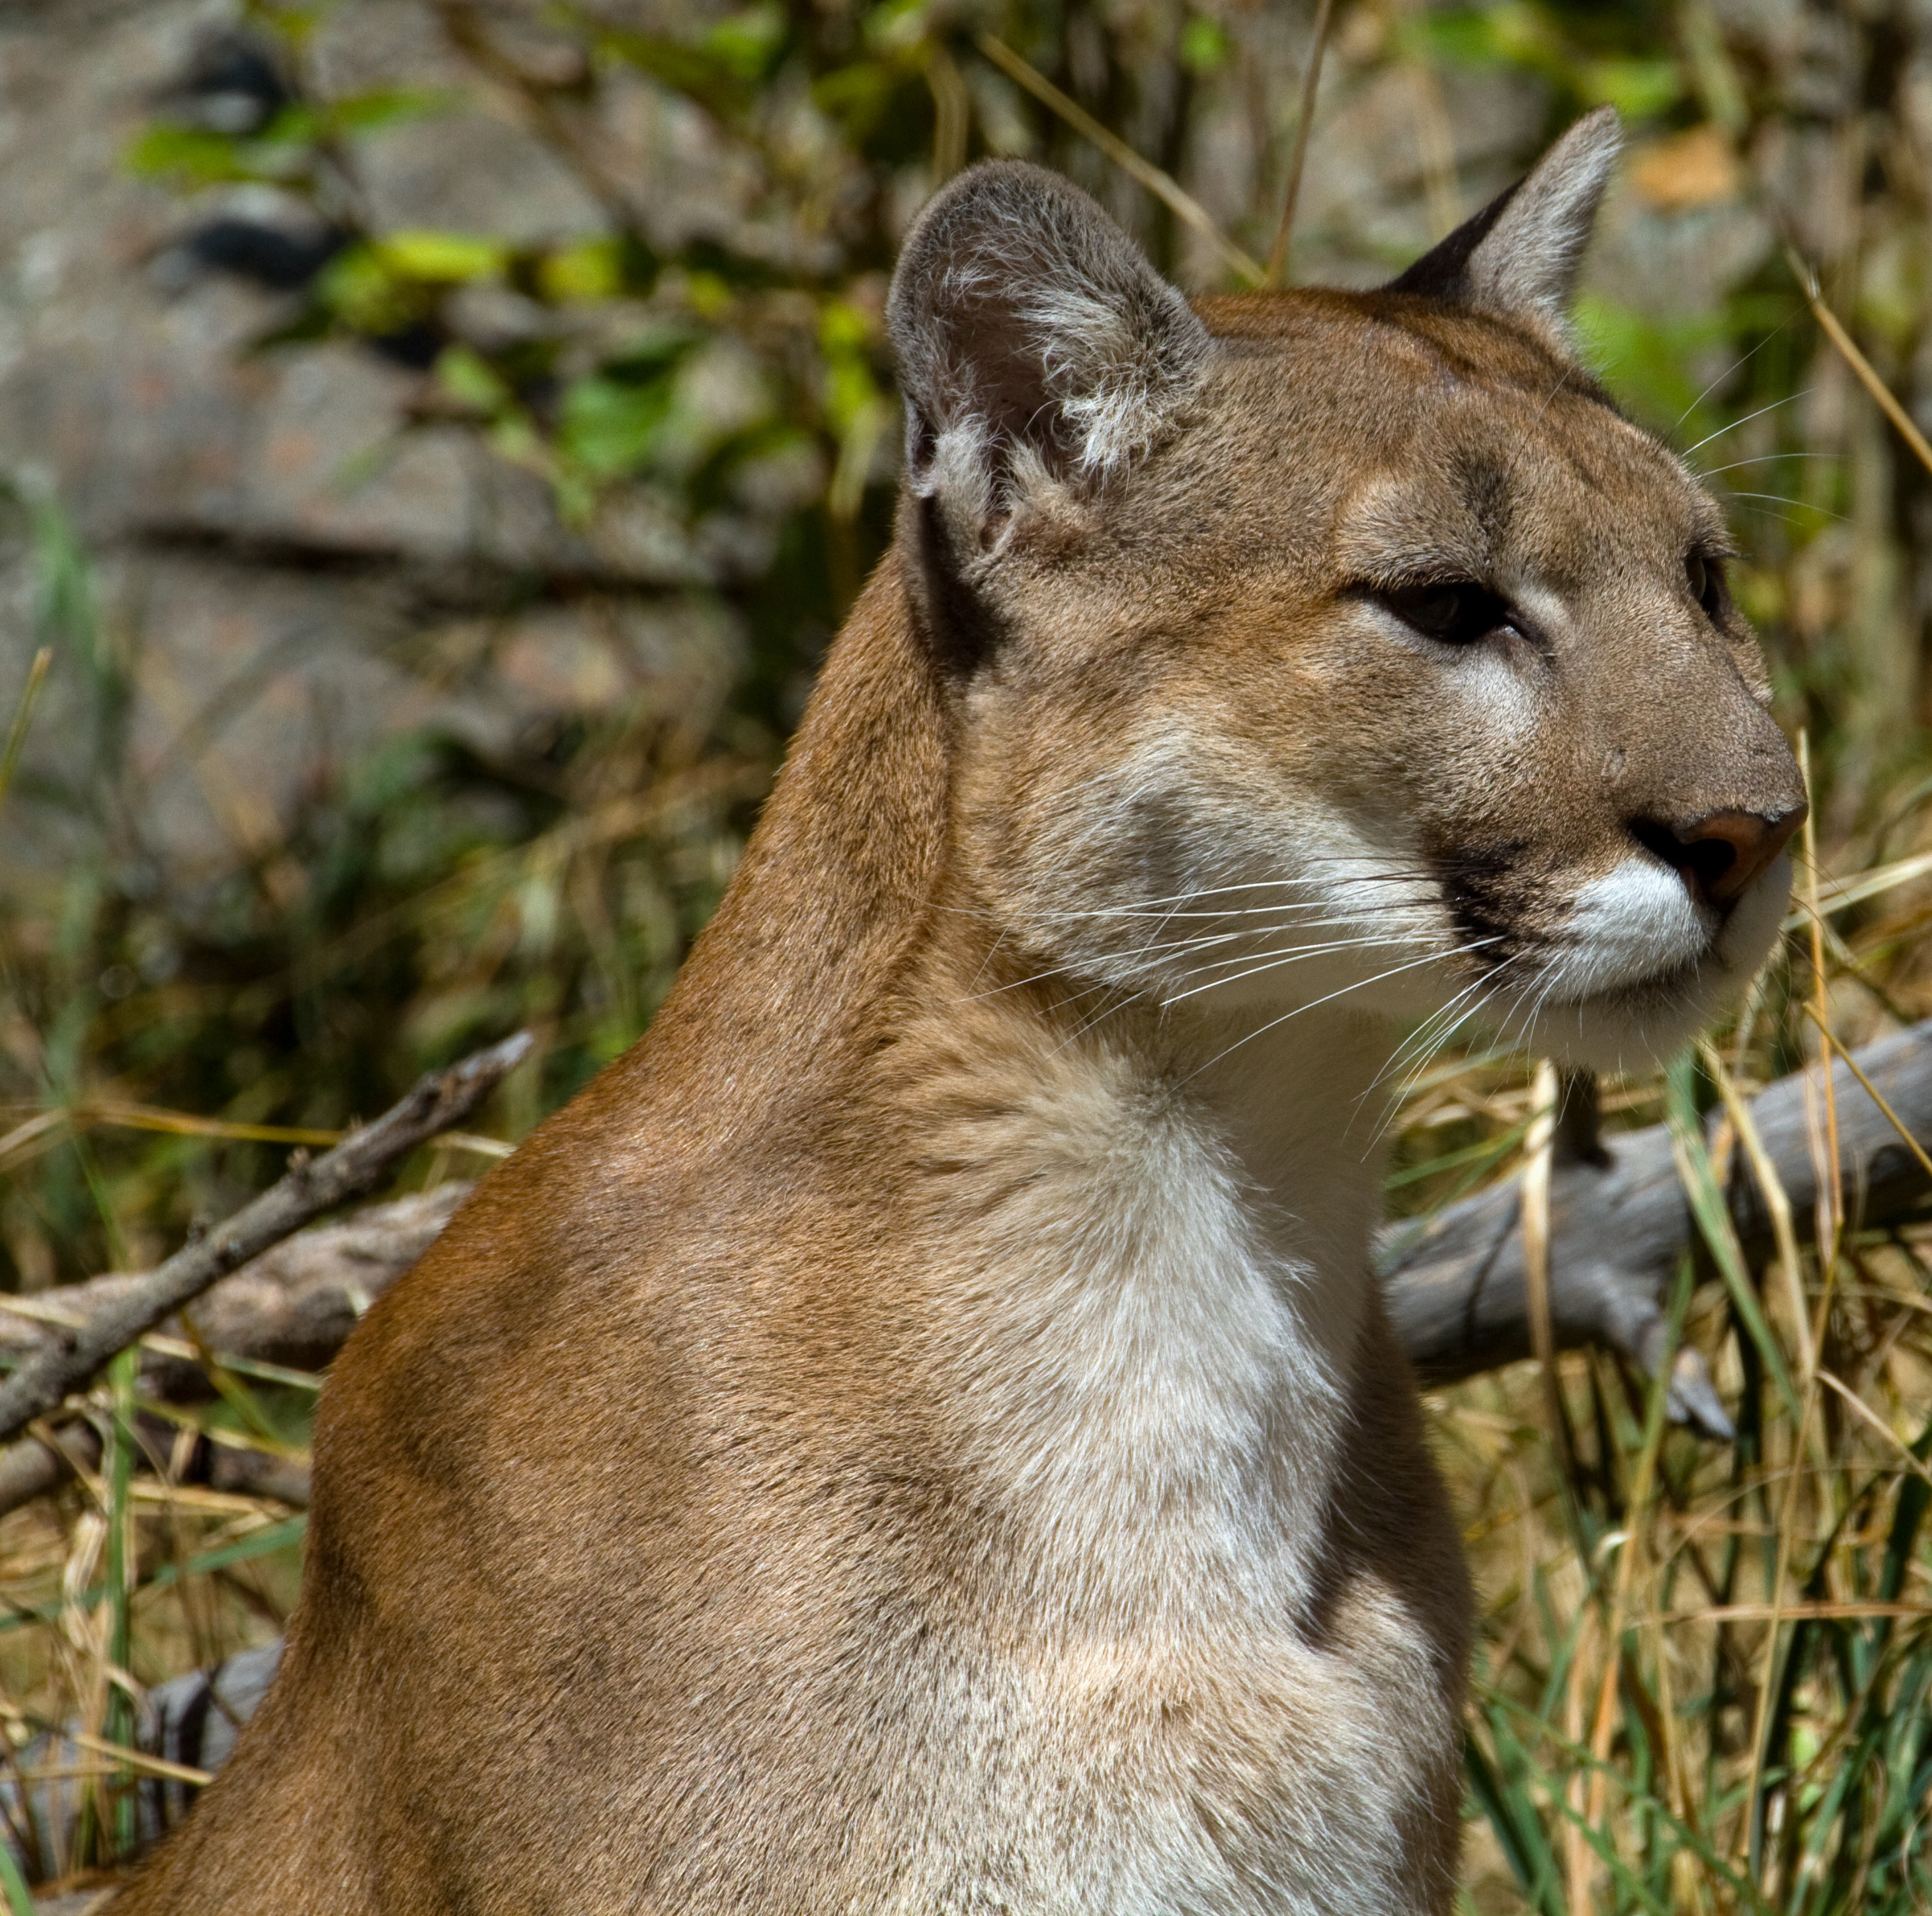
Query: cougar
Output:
(919,1433)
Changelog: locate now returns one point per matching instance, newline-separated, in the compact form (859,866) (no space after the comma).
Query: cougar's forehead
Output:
(1566,496)
(1435,442)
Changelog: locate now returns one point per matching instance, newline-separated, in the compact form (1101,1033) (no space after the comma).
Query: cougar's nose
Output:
(1719,855)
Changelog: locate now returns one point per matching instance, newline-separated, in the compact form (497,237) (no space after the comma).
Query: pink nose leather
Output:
(1720,855)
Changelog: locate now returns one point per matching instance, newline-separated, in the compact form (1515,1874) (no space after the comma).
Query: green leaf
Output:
(359,289)
(1508,35)
(582,272)
(19,1898)
(388,106)
(747,45)
(444,257)
(1203,45)
(195,157)
(608,426)
(898,26)
(858,96)
(686,69)
(1638,89)
(471,380)
(185,153)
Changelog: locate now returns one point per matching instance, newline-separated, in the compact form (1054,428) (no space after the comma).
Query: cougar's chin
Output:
(1630,1013)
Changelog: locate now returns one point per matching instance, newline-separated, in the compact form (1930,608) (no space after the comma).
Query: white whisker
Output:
(1802,504)
(1766,459)
(1788,398)
(1360,984)
(1275,961)
(1743,360)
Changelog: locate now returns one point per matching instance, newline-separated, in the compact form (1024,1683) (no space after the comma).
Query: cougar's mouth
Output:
(1634,964)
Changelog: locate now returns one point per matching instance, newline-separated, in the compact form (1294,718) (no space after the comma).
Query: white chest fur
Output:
(1156,1267)
(1156,1283)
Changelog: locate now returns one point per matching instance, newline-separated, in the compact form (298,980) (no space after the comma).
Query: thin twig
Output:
(1877,1423)
(1842,893)
(1835,332)
(952,112)
(1897,1123)
(1277,258)
(438,1102)
(1162,185)
(137,1759)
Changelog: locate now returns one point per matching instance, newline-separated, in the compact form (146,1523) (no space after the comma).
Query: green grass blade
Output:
(1714,1222)
(1907,1517)
(19,1898)
(1518,1831)
(23,713)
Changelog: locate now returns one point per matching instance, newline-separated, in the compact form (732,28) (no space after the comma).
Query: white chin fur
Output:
(1641,978)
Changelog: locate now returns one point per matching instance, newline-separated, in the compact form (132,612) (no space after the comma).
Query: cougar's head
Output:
(1315,645)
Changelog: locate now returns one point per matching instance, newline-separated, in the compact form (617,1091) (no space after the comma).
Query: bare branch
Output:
(293,1306)
(73,1358)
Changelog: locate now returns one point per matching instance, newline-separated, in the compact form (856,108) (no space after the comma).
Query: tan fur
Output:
(917,1434)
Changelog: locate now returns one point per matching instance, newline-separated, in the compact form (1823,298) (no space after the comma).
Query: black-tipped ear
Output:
(1035,342)
(1519,255)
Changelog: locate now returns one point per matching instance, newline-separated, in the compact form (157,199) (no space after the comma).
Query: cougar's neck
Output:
(1143,1241)
(783,988)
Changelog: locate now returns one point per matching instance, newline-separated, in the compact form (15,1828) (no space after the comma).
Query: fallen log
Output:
(1456,1288)
(293,1306)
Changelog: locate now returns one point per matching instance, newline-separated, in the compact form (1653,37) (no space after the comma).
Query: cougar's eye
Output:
(1458,612)
(1706,577)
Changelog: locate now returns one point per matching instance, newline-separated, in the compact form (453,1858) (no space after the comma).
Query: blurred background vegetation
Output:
(440,439)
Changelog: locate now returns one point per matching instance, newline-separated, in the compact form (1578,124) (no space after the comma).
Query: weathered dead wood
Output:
(293,1305)
(1457,1289)
(72,1358)
(33,1468)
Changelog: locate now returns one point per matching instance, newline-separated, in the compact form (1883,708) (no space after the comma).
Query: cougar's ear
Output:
(1035,342)
(1519,256)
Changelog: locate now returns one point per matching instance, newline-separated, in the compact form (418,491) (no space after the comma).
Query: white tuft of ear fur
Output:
(1035,342)
(1520,257)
